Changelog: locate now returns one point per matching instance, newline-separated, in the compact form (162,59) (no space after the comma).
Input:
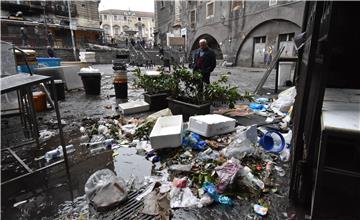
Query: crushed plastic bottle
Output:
(58,152)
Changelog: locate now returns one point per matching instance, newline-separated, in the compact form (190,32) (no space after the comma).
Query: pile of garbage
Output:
(208,160)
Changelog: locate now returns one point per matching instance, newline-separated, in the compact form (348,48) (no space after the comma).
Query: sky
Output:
(134,5)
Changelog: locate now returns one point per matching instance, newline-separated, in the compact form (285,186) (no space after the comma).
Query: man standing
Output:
(24,38)
(204,61)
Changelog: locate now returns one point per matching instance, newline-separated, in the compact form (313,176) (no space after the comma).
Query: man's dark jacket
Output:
(206,63)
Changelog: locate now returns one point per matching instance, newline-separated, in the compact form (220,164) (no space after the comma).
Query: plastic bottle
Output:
(250,180)
(58,152)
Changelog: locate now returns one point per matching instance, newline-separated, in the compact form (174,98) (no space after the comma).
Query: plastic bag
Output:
(194,141)
(181,195)
(242,143)
(105,190)
(210,189)
(285,100)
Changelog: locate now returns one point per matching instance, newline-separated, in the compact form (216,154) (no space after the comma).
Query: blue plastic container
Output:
(25,69)
(49,61)
(272,141)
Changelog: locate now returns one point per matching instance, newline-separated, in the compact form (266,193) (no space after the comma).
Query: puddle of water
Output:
(128,164)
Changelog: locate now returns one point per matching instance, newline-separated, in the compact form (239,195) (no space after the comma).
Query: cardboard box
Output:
(167,132)
(211,124)
(134,107)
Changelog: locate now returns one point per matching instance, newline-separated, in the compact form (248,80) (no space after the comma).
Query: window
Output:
(162,4)
(260,39)
(116,30)
(105,17)
(272,2)
(193,18)
(237,5)
(125,27)
(286,41)
(139,19)
(210,9)
(106,29)
(286,37)
(125,18)
(115,18)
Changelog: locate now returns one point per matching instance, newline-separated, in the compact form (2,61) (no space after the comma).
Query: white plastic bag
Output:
(285,100)
(105,190)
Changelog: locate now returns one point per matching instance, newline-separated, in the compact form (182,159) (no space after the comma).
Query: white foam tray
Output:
(211,124)
(166,132)
(134,107)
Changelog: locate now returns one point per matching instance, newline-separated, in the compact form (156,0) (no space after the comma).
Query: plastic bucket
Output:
(91,82)
(272,141)
(39,101)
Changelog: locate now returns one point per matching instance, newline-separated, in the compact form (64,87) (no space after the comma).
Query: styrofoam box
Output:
(167,132)
(211,124)
(134,107)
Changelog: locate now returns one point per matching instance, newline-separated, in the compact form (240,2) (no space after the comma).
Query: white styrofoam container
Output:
(134,107)
(211,124)
(166,132)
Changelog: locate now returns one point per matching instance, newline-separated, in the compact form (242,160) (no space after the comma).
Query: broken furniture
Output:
(22,84)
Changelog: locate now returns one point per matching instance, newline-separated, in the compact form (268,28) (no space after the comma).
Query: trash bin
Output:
(120,83)
(91,82)
(60,89)
(39,99)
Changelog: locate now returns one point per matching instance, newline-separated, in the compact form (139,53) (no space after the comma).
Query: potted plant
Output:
(187,97)
(156,88)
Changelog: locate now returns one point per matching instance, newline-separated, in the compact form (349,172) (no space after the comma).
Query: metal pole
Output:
(71,31)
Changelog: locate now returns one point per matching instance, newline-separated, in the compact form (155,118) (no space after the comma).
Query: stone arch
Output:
(257,29)
(212,43)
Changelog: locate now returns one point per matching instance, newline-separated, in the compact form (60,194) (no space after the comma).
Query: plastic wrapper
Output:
(105,190)
(211,190)
(227,174)
(181,195)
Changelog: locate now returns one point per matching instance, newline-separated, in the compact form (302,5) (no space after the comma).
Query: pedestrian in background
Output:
(204,61)
(50,39)
(24,37)
(50,51)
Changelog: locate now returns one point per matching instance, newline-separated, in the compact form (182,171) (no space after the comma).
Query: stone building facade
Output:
(37,18)
(121,24)
(241,32)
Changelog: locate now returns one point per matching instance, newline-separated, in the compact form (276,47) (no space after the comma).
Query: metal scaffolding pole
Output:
(71,30)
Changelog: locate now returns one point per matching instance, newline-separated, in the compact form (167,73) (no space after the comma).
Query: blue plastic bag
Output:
(210,188)
(194,141)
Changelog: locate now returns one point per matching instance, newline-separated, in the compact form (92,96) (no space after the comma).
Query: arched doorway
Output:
(212,43)
(267,34)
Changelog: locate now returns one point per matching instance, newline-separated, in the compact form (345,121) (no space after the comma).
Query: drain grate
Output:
(127,210)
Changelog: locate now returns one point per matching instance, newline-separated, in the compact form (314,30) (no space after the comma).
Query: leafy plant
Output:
(186,86)
(152,84)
